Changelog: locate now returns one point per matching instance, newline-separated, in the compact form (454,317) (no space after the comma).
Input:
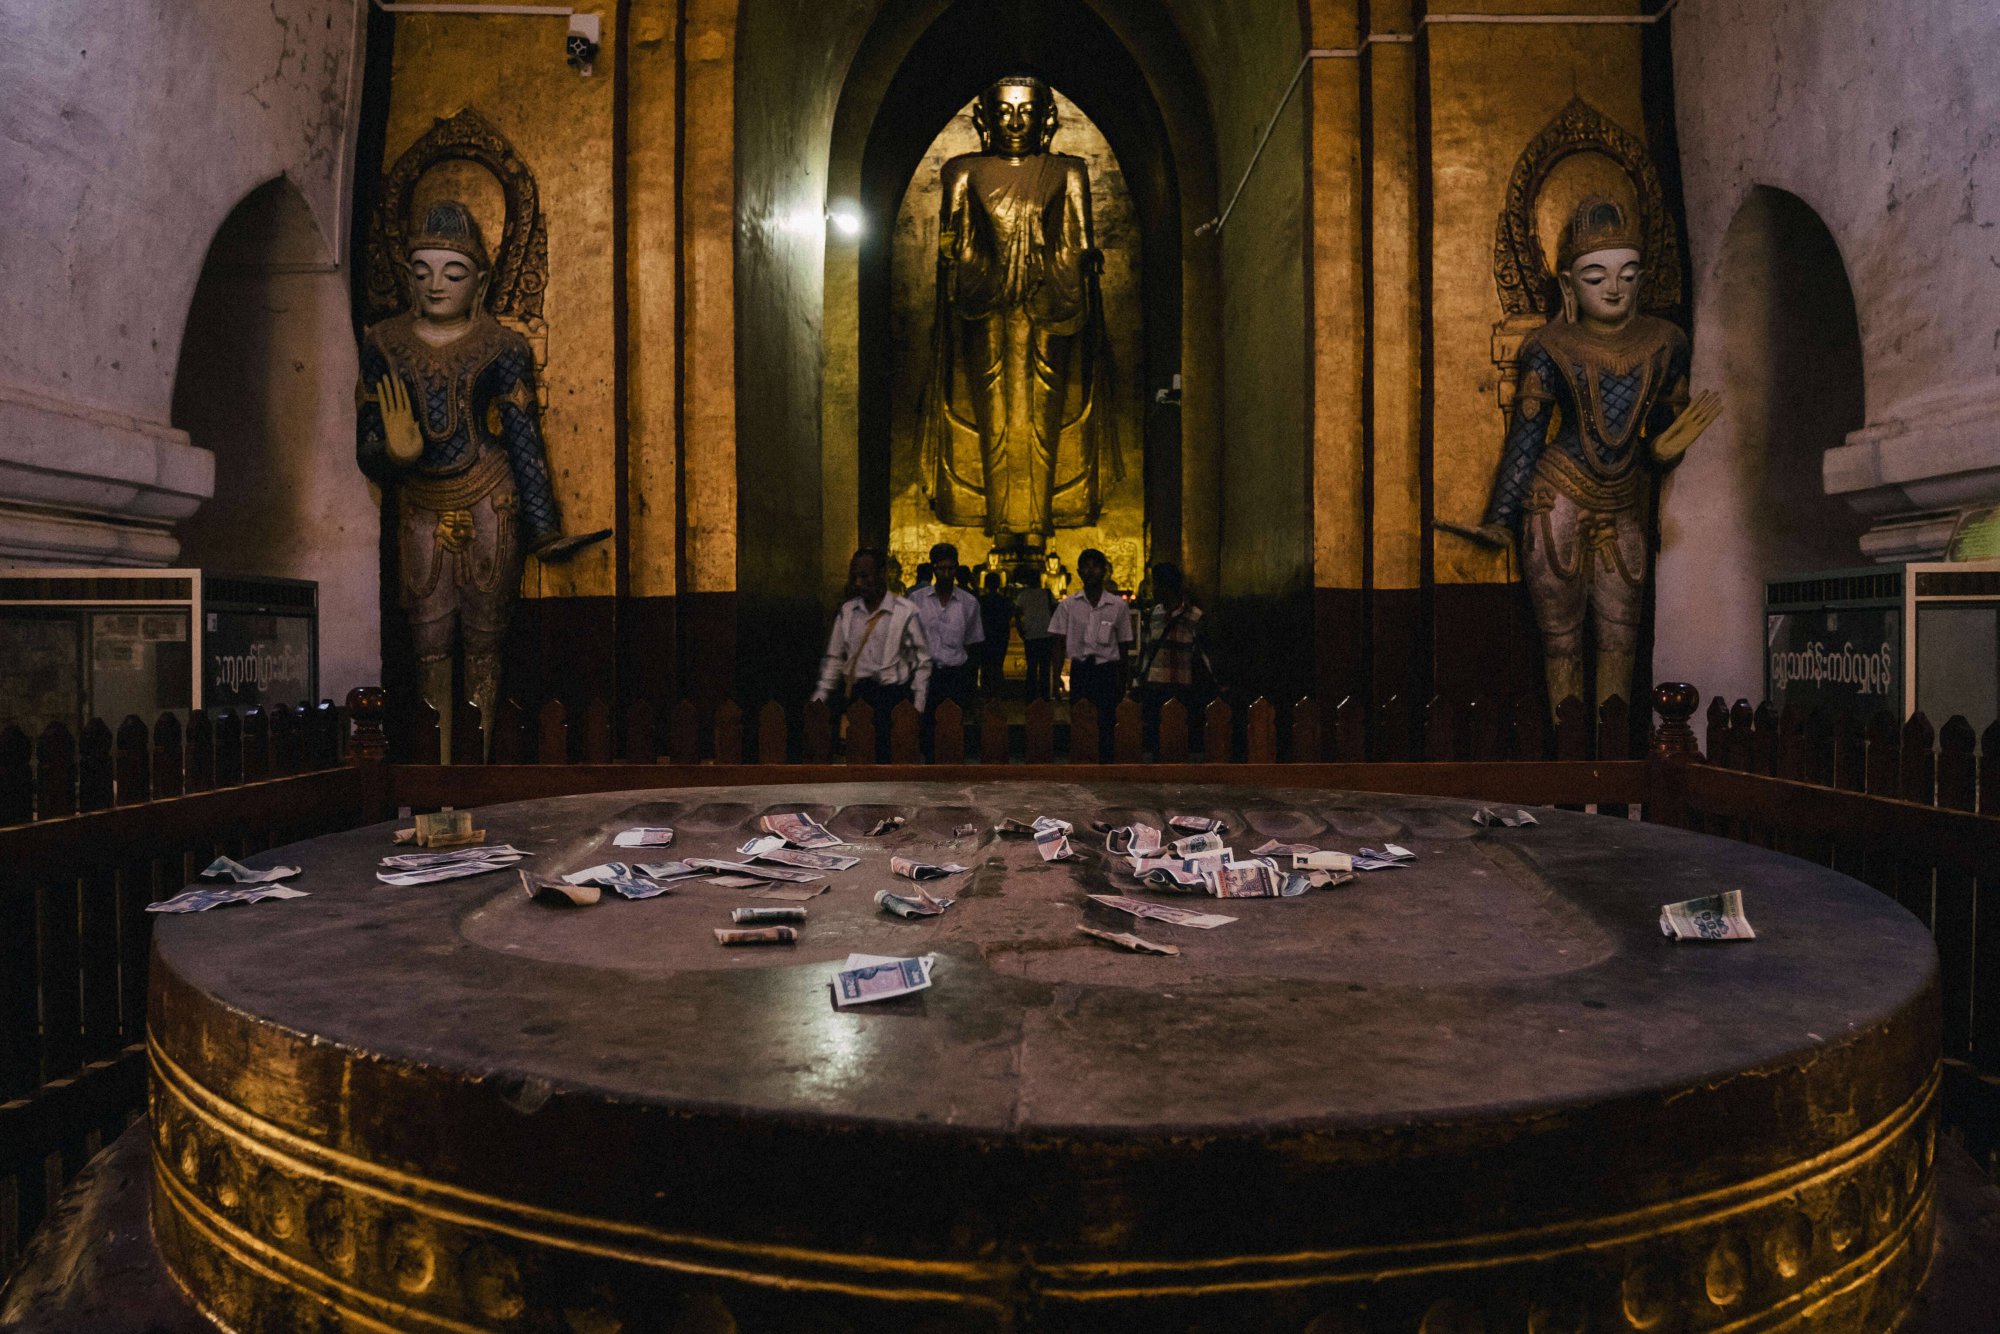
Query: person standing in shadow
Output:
(877,652)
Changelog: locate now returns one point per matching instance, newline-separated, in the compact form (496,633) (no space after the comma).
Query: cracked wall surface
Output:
(1885,119)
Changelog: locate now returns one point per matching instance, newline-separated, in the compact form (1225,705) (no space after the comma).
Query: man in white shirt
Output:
(1096,629)
(952,625)
(877,652)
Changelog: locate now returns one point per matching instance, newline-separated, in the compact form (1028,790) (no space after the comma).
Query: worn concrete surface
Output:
(1505,971)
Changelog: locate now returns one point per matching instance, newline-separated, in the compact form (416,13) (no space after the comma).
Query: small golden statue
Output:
(1575,486)
(1009,439)
(447,414)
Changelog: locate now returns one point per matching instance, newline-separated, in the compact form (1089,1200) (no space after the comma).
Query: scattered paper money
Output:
(1174,872)
(734,881)
(1717,917)
(1009,825)
(1161,912)
(559,893)
(417,861)
(1388,859)
(1291,886)
(755,916)
(790,893)
(427,868)
(791,875)
(1273,848)
(1486,815)
(965,831)
(1329,879)
(920,904)
(1126,941)
(761,844)
(1322,861)
(1255,879)
(447,828)
(644,838)
(601,876)
(758,935)
(666,870)
(223,868)
(872,977)
(1133,840)
(1195,824)
(886,825)
(201,900)
(811,861)
(798,829)
(1196,844)
(638,887)
(915,870)
(1052,838)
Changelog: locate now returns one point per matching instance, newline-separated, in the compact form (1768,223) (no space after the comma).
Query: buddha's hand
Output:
(404,438)
(1486,534)
(1670,444)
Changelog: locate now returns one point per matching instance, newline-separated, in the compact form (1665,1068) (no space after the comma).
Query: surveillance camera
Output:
(582,44)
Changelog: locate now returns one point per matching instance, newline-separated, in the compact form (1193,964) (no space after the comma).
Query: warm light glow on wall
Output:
(845,219)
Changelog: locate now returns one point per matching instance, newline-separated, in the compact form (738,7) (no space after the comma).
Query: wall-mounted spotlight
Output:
(845,219)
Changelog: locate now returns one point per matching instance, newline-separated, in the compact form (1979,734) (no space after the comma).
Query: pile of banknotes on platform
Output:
(425,868)
(1202,862)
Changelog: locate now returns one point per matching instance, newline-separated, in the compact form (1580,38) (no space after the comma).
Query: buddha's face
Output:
(1605,284)
(1015,119)
(444,284)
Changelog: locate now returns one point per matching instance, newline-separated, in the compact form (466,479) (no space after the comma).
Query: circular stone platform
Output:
(1478,1094)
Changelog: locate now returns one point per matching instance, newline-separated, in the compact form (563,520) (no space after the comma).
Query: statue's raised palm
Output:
(1673,442)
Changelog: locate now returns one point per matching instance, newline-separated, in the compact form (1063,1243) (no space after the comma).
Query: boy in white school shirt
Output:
(952,627)
(1096,630)
(877,652)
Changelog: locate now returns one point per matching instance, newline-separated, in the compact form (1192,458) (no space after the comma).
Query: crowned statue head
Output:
(448,267)
(1016,117)
(1599,263)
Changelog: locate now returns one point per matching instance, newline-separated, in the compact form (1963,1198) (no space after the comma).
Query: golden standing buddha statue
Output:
(1017,340)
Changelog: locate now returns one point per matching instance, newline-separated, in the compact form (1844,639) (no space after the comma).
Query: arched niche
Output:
(1792,384)
(1777,333)
(903,520)
(265,382)
(905,89)
(839,104)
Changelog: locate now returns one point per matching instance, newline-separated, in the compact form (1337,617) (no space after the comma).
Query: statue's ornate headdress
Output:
(449,225)
(1597,224)
(1040,86)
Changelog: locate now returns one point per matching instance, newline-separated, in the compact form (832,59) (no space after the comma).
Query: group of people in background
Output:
(943,642)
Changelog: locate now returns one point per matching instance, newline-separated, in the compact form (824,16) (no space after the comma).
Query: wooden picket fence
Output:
(94,827)
(1257,732)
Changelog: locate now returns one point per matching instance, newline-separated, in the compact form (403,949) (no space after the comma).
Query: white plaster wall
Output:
(1885,118)
(128,131)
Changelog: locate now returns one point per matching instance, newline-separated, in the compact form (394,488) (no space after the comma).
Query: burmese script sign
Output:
(1844,661)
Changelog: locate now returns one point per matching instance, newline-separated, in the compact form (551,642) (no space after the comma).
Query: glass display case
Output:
(103,643)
